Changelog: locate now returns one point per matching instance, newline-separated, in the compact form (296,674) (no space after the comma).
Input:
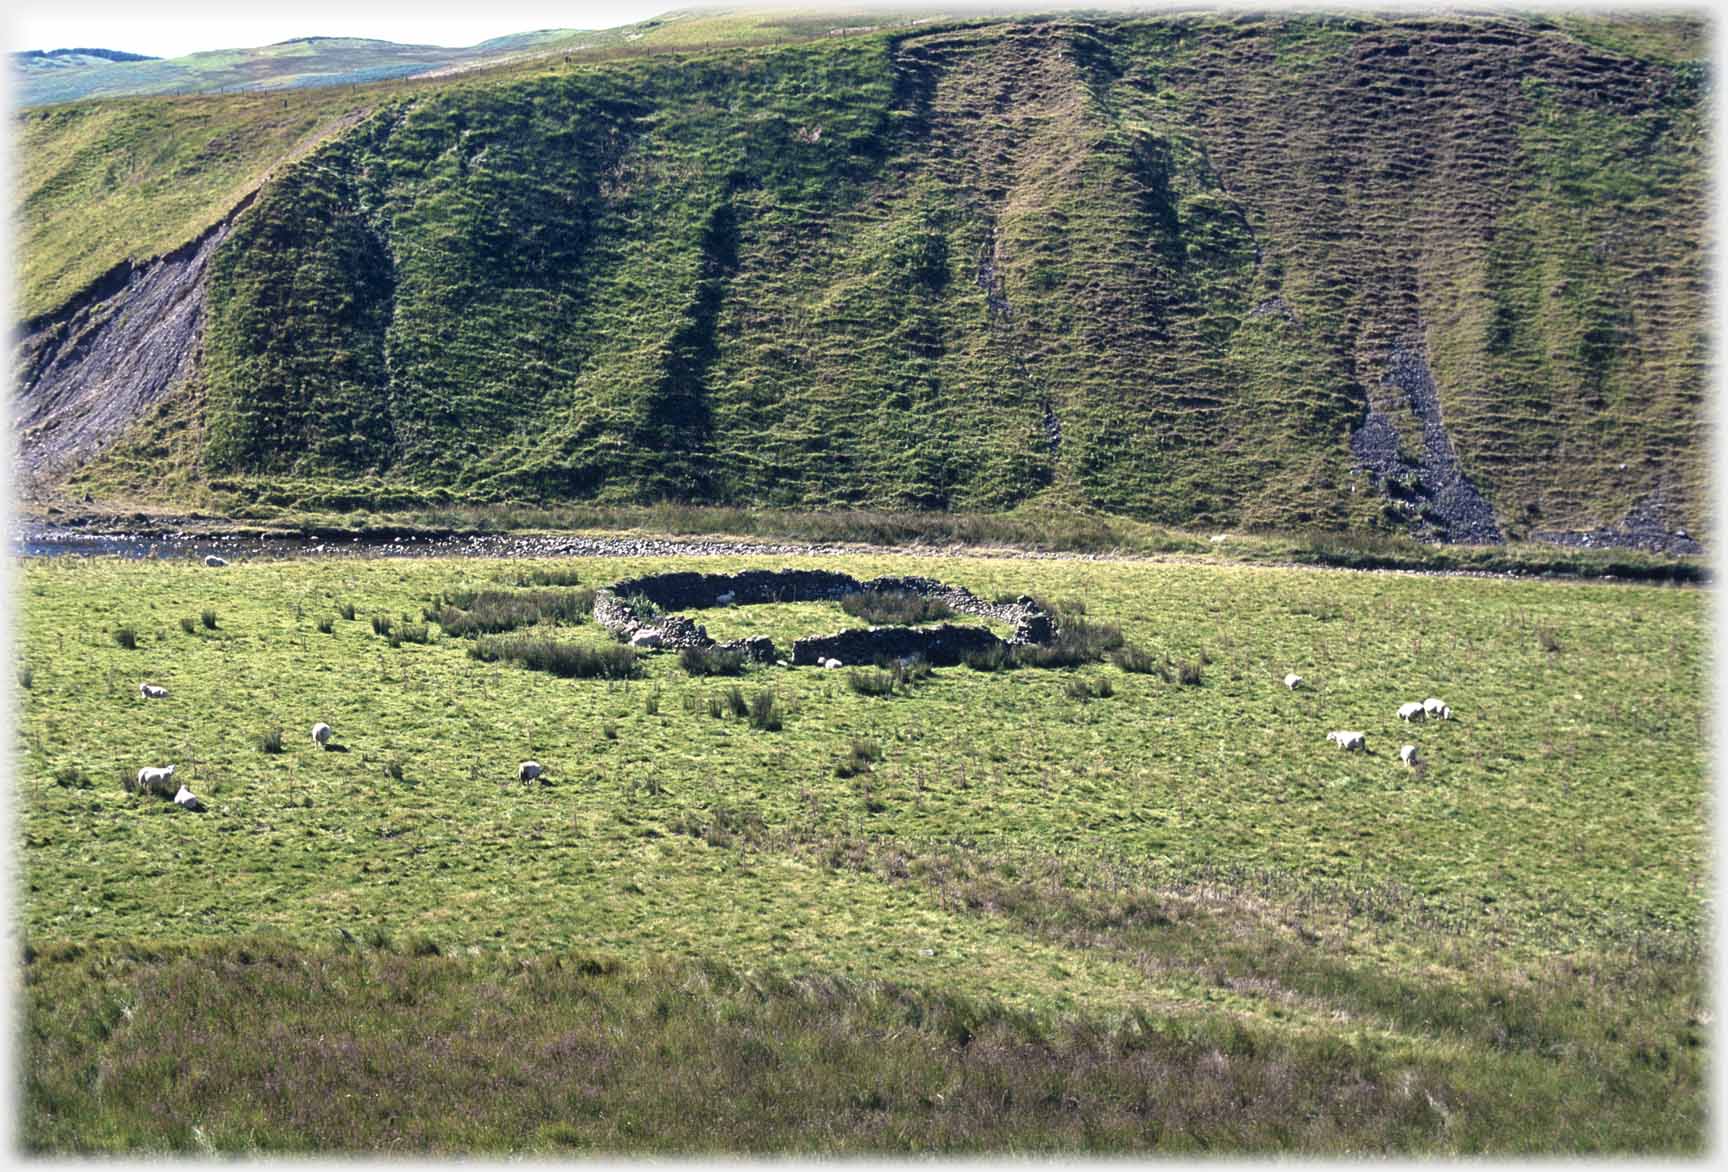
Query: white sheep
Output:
(320,734)
(1411,711)
(1292,681)
(832,663)
(1348,741)
(1437,708)
(726,598)
(186,800)
(152,775)
(152,691)
(213,560)
(648,638)
(529,770)
(1408,755)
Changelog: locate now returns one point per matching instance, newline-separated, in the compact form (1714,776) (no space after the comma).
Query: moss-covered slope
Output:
(1167,268)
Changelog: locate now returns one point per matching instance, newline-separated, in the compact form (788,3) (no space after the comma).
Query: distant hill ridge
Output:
(105,54)
(1431,274)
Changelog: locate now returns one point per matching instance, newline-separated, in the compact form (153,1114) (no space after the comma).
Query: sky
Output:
(172,28)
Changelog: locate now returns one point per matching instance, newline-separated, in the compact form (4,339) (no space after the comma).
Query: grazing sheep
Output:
(1432,706)
(1445,712)
(529,770)
(1292,681)
(1411,711)
(1348,741)
(213,560)
(1408,755)
(154,775)
(152,691)
(320,734)
(186,801)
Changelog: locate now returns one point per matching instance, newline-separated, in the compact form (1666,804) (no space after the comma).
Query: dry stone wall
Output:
(635,610)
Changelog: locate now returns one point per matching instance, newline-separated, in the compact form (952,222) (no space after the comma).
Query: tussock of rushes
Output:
(491,612)
(566,660)
(1139,661)
(711,661)
(894,608)
(1077,642)
(765,713)
(861,754)
(127,638)
(547,576)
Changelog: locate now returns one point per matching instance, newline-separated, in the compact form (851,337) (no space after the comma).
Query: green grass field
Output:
(979,940)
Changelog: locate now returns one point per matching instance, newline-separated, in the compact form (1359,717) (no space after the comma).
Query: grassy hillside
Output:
(991,909)
(1164,268)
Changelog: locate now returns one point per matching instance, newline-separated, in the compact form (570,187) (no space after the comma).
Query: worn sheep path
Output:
(33,538)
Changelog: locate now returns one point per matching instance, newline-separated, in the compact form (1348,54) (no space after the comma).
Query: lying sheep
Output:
(320,734)
(1348,741)
(155,775)
(152,691)
(187,801)
(1408,755)
(213,560)
(529,770)
(1292,681)
(1436,708)
(832,663)
(1411,711)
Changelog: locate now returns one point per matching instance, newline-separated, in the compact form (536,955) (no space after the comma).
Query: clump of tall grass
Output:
(1139,661)
(381,625)
(127,637)
(871,683)
(735,702)
(1188,672)
(711,661)
(546,576)
(890,675)
(326,626)
(566,660)
(992,658)
(861,754)
(189,624)
(208,618)
(1082,689)
(899,608)
(270,741)
(492,612)
(1076,642)
(765,713)
(346,610)
(410,633)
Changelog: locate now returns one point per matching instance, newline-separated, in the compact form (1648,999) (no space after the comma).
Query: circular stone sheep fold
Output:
(635,610)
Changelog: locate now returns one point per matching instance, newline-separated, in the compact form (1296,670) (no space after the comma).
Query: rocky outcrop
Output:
(1431,492)
(86,372)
